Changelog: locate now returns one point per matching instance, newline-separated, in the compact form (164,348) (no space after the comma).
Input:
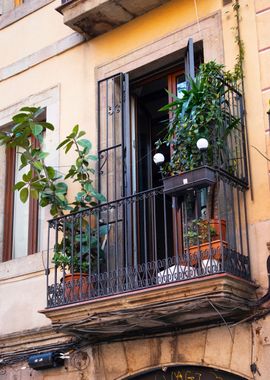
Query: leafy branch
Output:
(42,181)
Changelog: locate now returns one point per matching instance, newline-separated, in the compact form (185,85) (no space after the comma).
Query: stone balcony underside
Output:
(185,305)
(95,17)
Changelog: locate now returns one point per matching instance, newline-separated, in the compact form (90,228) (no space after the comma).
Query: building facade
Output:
(149,310)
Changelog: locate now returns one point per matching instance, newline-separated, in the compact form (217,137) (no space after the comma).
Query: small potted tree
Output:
(46,184)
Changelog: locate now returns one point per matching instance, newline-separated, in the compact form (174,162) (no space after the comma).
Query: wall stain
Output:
(155,351)
(173,345)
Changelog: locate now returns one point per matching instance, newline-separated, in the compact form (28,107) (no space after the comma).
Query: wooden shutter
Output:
(114,151)
(189,61)
(114,162)
(9,203)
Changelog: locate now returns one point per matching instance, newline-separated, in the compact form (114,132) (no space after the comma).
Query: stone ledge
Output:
(23,10)
(41,55)
(178,304)
(24,266)
(29,339)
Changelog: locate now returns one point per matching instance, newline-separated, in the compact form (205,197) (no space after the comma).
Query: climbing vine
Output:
(238,73)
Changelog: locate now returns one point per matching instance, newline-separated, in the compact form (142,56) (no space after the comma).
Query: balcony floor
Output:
(205,301)
(94,18)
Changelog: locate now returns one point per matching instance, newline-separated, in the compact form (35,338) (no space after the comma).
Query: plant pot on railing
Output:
(192,179)
(76,287)
(206,240)
(78,254)
(206,251)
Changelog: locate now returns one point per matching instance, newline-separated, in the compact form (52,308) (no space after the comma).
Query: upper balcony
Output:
(95,17)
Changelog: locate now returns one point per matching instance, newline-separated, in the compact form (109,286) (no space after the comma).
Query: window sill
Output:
(23,266)
(23,10)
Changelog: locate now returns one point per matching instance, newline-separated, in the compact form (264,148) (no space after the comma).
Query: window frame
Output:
(17,13)
(49,99)
(32,239)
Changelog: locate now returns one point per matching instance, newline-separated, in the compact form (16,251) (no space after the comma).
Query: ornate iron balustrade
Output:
(230,155)
(226,135)
(147,240)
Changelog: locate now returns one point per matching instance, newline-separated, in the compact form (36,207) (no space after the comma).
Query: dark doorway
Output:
(186,373)
(129,124)
(147,97)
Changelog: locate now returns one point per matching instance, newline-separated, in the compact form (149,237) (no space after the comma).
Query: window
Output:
(7,5)
(37,238)
(21,220)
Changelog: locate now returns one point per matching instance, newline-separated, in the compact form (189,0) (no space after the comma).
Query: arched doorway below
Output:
(186,373)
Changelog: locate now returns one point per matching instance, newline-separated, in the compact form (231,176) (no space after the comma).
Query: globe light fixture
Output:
(158,159)
(202,144)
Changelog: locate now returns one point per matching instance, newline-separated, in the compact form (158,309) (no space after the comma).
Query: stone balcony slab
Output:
(206,301)
(95,17)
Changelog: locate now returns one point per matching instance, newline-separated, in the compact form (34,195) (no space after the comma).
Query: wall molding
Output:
(28,339)
(41,55)
(210,33)
(16,14)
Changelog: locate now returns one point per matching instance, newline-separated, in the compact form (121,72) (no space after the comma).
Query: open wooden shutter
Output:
(189,61)
(114,166)
(114,137)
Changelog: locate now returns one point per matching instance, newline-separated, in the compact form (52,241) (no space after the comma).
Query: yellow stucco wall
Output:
(74,73)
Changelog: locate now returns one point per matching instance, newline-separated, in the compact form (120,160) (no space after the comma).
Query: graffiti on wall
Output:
(187,373)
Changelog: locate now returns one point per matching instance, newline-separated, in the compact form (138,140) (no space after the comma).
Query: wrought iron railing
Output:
(148,239)
(227,139)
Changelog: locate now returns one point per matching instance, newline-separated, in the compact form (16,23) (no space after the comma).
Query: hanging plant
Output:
(199,113)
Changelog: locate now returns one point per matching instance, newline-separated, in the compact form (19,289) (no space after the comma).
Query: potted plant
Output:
(46,184)
(199,113)
(203,236)
(78,255)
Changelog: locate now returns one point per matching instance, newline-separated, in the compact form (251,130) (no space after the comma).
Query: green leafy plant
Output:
(80,248)
(199,232)
(45,183)
(199,113)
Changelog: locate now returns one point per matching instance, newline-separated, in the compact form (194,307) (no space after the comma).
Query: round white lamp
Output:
(158,159)
(202,144)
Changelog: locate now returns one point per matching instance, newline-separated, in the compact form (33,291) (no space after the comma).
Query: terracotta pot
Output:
(204,249)
(216,224)
(76,290)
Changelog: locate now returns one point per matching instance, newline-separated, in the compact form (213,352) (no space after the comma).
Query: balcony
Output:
(172,257)
(138,264)
(95,17)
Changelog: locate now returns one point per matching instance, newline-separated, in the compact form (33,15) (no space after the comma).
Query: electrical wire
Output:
(197,18)
(223,319)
